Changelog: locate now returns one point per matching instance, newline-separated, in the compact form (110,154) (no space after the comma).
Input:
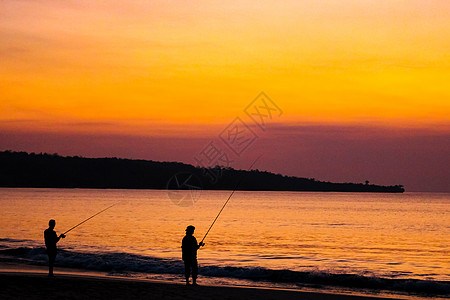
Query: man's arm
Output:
(59,237)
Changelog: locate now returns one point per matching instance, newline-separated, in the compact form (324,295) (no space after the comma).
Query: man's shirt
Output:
(189,247)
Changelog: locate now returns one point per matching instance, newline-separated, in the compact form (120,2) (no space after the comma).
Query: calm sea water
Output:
(259,234)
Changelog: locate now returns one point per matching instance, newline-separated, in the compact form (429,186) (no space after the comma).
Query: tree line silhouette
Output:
(22,169)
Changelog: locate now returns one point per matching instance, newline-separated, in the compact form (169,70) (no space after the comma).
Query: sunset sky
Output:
(363,85)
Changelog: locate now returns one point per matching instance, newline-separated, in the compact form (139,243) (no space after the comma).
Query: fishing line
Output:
(226,202)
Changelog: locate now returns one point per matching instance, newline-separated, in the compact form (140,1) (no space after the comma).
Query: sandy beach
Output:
(31,282)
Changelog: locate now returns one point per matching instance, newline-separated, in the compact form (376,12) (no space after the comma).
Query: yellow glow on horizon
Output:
(171,64)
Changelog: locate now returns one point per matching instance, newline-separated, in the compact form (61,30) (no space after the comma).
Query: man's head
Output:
(51,223)
(190,230)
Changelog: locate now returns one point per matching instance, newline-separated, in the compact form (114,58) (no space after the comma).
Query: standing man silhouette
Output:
(51,239)
(189,248)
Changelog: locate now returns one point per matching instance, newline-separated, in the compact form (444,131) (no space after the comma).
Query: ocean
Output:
(350,242)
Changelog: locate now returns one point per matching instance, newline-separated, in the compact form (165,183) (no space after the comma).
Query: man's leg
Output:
(194,271)
(187,271)
(51,262)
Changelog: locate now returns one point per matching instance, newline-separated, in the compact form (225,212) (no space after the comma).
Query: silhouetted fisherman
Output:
(189,248)
(51,239)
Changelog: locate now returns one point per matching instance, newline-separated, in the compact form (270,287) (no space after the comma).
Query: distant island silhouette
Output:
(22,169)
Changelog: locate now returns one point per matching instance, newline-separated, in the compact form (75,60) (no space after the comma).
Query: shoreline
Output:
(31,282)
(12,270)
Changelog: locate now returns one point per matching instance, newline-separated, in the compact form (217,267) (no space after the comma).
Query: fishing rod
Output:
(88,219)
(229,197)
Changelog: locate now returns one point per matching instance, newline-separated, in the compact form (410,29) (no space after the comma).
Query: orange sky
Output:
(201,62)
(157,68)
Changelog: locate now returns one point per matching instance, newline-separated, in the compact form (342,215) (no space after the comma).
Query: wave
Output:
(13,240)
(116,262)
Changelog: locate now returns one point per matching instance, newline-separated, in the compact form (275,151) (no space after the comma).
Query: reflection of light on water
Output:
(389,235)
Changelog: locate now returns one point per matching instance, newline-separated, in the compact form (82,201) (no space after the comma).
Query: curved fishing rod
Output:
(226,202)
(88,219)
